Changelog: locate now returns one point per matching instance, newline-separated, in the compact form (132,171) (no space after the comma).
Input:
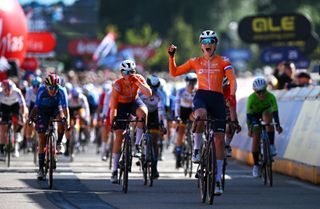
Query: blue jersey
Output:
(44,100)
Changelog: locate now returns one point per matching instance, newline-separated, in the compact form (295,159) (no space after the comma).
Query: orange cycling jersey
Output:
(127,91)
(210,72)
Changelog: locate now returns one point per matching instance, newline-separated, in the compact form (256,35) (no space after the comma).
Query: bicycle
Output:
(187,150)
(265,155)
(50,150)
(148,157)
(126,154)
(9,146)
(207,168)
(109,151)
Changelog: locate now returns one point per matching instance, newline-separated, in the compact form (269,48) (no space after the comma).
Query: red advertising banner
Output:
(41,42)
(13,31)
(30,63)
(79,47)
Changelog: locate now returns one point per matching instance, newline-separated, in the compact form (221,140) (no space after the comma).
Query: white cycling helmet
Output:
(191,77)
(225,81)
(208,34)
(153,81)
(128,65)
(259,83)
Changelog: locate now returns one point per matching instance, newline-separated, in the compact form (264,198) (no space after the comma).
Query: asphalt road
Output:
(85,183)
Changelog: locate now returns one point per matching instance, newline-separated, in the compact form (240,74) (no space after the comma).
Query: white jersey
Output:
(183,99)
(30,96)
(81,102)
(15,97)
(154,103)
(106,102)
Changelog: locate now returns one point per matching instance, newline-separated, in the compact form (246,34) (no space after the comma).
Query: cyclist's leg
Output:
(199,111)
(3,137)
(256,146)
(267,117)
(218,112)
(41,127)
(61,131)
(122,113)
(140,110)
(179,143)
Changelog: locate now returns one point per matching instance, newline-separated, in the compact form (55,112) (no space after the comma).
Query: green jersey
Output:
(256,105)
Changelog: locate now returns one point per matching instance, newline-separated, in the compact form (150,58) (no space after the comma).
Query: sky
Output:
(68,2)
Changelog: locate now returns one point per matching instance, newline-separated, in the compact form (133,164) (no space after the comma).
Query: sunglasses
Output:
(127,72)
(52,88)
(208,41)
(261,92)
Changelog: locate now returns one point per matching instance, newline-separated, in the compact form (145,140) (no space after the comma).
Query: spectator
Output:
(302,79)
(283,73)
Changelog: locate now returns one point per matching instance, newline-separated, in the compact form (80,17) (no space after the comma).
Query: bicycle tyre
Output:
(151,164)
(211,173)
(9,146)
(50,160)
(126,164)
(268,164)
(110,151)
(203,178)
(35,150)
(224,168)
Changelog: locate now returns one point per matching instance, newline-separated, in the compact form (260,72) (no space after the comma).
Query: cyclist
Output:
(50,102)
(232,125)
(11,103)
(106,126)
(78,106)
(124,101)
(156,109)
(261,104)
(210,70)
(31,95)
(183,112)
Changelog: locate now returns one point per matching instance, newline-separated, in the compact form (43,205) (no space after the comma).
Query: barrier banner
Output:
(288,114)
(304,143)
(242,140)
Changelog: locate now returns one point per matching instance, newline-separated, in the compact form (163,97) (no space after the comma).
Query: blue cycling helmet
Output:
(76,91)
(35,82)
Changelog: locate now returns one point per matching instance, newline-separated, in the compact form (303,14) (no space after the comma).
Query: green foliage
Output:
(181,21)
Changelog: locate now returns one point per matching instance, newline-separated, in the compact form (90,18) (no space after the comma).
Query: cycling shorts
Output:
(7,110)
(185,113)
(43,118)
(214,103)
(153,120)
(125,109)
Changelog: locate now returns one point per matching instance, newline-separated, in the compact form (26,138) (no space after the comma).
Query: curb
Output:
(288,167)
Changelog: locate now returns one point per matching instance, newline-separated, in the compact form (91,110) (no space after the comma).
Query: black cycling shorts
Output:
(214,103)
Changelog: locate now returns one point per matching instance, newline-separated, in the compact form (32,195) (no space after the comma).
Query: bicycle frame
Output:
(50,151)
(266,159)
(148,158)
(188,149)
(126,156)
(207,168)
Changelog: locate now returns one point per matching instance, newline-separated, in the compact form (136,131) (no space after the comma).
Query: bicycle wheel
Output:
(50,161)
(263,163)
(223,177)
(110,151)
(150,161)
(9,146)
(211,173)
(126,163)
(202,177)
(35,150)
(190,164)
(268,163)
